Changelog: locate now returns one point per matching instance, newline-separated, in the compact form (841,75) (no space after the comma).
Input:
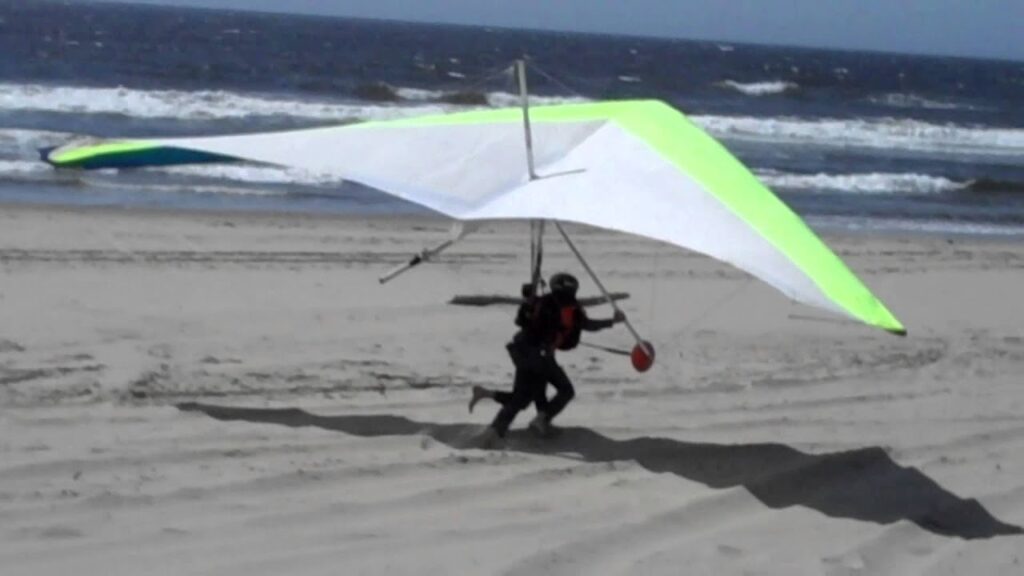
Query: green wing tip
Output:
(898,332)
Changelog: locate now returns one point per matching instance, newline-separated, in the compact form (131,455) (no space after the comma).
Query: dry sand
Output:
(225,394)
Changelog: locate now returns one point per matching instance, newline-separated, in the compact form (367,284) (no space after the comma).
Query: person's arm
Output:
(594,325)
(524,316)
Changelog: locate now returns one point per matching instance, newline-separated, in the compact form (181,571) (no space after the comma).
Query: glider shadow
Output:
(863,484)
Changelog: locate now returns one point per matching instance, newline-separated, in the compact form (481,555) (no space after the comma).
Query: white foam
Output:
(28,141)
(760,88)
(204,105)
(215,190)
(884,133)
(418,94)
(506,99)
(498,99)
(96,180)
(630,79)
(875,225)
(241,174)
(869,183)
(898,100)
(191,105)
(251,174)
(22,167)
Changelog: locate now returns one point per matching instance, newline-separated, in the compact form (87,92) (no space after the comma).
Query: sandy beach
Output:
(236,394)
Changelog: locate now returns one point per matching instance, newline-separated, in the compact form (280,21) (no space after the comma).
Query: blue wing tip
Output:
(45,152)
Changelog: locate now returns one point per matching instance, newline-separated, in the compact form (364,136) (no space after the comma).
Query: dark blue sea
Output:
(856,141)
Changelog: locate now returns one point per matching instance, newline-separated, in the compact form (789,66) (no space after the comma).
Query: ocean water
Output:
(858,141)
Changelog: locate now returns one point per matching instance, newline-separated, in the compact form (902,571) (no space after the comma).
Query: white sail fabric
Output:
(634,167)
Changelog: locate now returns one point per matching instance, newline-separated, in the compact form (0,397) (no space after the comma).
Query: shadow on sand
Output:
(863,484)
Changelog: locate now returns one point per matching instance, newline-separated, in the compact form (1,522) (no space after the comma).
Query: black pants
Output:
(535,369)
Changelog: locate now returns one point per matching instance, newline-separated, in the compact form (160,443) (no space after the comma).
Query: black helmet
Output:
(563,284)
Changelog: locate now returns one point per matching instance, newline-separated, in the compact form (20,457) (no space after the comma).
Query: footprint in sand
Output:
(850,562)
(60,533)
(10,346)
(729,551)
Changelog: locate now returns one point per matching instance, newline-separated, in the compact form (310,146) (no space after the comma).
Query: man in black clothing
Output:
(547,323)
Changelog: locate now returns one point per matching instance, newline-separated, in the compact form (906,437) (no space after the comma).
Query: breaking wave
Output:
(250,174)
(18,146)
(875,225)
(872,183)
(204,105)
(233,180)
(760,88)
(201,105)
(504,99)
(207,105)
(22,168)
(897,100)
(24,143)
(886,133)
(184,188)
(885,183)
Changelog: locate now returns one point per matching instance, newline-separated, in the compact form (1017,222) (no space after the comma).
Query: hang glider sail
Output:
(638,167)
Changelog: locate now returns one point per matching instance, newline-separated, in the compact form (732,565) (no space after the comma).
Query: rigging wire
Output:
(486,76)
(652,299)
(556,81)
(653,277)
(507,73)
(693,324)
(717,305)
(608,349)
(653,317)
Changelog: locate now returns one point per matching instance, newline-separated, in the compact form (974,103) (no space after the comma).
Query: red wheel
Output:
(642,356)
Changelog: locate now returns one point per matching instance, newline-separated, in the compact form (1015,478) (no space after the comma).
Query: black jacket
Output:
(548,323)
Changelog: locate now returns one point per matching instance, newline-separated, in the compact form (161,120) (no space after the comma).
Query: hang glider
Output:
(637,167)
